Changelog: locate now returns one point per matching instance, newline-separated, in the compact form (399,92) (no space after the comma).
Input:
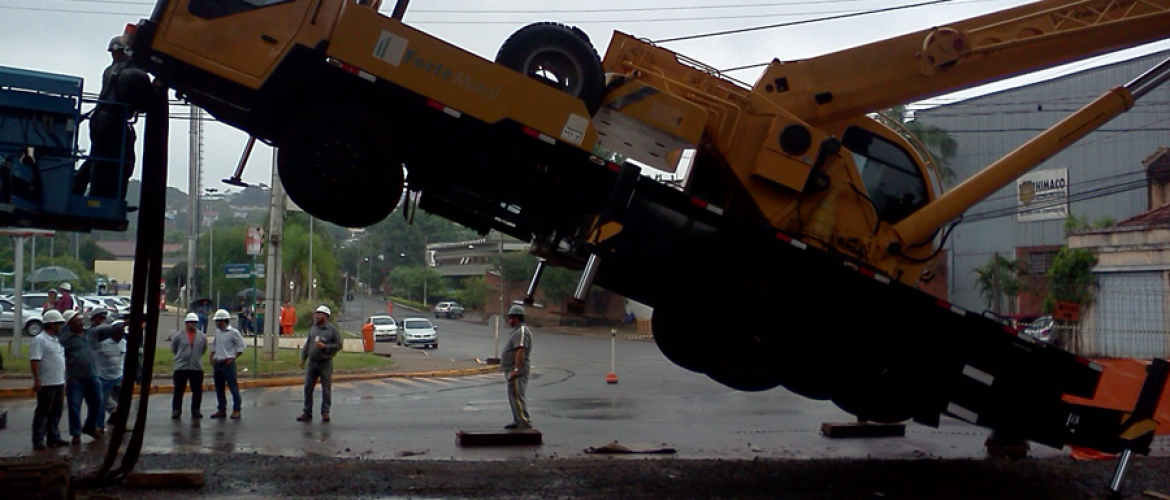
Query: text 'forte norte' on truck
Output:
(796,197)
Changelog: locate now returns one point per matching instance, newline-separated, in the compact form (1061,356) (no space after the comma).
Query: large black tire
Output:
(558,56)
(681,338)
(878,391)
(340,167)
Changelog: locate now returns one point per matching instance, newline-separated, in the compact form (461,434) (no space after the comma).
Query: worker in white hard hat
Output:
(226,347)
(322,344)
(124,93)
(47,362)
(188,346)
(98,316)
(515,362)
(81,383)
(65,297)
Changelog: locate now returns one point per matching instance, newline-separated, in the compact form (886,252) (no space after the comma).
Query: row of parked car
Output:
(411,332)
(118,307)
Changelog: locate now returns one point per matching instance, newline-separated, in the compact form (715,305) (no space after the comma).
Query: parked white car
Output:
(418,332)
(30,316)
(119,309)
(385,328)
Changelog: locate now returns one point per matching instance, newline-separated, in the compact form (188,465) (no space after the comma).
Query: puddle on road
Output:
(590,408)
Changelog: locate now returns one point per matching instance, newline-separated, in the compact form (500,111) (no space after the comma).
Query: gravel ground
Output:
(256,476)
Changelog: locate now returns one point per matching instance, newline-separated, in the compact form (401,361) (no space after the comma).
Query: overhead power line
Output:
(805,21)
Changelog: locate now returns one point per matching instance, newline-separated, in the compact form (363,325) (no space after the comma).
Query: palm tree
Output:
(928,140)
(1002,278)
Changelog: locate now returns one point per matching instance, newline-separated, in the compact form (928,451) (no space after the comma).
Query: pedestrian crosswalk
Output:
(401,386)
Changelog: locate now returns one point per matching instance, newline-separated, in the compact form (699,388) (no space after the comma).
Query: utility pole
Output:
(17,299)
(273,289)
(311,284)
(995,304)
(503,293)
(192,200)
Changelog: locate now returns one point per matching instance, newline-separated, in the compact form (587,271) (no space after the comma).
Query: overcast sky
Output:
(70,36)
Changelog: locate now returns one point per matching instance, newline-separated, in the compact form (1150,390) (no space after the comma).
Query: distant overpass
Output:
(470,258)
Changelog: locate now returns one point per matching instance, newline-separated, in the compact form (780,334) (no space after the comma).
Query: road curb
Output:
(26,392)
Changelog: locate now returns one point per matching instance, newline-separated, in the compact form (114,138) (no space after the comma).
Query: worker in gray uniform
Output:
(124,93)
(322,344)
(515,361)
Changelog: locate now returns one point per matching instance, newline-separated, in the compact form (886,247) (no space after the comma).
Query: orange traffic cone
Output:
(611,377)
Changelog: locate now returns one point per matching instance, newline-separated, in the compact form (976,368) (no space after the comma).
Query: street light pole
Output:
(211,253)
(503,293)
(310,284)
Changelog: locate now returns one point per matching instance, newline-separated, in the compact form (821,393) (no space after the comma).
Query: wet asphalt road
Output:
(654,403)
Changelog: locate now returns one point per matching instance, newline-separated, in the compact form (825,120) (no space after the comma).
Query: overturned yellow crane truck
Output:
(797,197)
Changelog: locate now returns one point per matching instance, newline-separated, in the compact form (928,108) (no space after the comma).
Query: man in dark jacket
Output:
(125,89)
(81,383)
(322,344)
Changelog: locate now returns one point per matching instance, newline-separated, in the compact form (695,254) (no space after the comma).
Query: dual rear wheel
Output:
(340,163)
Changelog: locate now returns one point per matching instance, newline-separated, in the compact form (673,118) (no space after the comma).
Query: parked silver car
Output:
(30,316)
(449,309)
(418,331)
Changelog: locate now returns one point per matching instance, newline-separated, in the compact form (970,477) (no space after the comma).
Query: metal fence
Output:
(1128,319)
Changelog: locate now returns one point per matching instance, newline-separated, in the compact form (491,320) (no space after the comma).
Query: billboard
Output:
(1042,195)
(255,240)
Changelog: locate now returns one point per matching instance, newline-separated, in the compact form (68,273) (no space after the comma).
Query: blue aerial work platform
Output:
(40,117)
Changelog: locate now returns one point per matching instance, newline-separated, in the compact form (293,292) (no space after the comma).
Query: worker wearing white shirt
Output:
(227,346)
(47,359)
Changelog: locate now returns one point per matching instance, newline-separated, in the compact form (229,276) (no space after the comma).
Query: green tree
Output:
(296,261)
(473,292)
(1071,278)
(1001,280)
(409,283)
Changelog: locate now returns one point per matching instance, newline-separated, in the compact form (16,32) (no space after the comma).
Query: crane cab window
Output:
(211,9)
(892,178)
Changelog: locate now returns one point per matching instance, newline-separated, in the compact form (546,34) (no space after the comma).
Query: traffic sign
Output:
(240,271)
(254,242)
(1067,311)
(237,271)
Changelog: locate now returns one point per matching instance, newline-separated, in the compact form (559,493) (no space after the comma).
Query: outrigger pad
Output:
(526,437)
(862,430)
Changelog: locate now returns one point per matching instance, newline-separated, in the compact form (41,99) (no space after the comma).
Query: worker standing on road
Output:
(288,318)
(81,383)
(322,344)
(515,361)
(227,345)
(111,355)
(188,348)
(47,361)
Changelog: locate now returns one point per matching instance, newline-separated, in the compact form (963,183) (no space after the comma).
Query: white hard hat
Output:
(116,44)
(324,309)
(53,316)
(221,315)
(191,318)
(68,315)
(66,286)
(516,310)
